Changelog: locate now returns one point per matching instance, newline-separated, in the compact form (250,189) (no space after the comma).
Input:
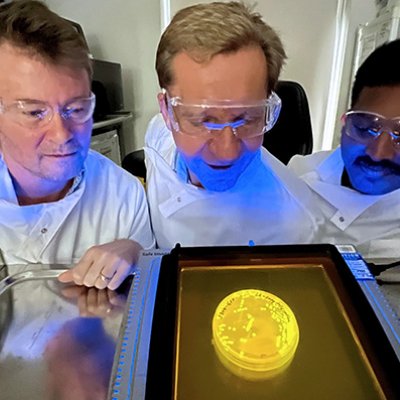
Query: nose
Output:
(381,148)
(225,146)
(59,130)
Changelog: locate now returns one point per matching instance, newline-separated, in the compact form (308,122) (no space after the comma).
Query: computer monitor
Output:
(107,86)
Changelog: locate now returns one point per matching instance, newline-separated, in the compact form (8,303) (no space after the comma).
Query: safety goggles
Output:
(34,114)
(246,120)
(364,126)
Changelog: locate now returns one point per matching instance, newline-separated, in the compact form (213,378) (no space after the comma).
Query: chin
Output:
(221,180)
(59,170)
(63,175)
(219,185)
(374,188)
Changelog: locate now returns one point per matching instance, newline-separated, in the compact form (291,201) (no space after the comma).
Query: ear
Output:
(162,102)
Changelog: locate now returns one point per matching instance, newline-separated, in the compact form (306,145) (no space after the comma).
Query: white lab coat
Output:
(370,222)
(107,204)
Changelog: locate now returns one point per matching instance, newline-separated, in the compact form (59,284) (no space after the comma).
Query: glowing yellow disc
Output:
(254,330)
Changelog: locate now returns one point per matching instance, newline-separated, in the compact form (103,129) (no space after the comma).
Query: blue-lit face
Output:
(46,158)
(216,161)
(374,166)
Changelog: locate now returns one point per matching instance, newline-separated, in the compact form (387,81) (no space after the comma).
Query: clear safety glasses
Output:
(364,126)
(204,118)
(36,114)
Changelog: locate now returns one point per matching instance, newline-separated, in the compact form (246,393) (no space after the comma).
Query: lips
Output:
(222,167)
(377,169)
(61,155)
(374,171)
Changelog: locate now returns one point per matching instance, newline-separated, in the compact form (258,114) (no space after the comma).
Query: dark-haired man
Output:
(358,184)
(59,201)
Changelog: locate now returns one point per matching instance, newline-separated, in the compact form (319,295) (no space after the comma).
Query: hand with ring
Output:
(105,278)
(104,266)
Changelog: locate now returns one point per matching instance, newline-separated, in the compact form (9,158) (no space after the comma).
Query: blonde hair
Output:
(205,30)
(32,27)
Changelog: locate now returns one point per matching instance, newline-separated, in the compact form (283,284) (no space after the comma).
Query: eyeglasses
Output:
(247,119)
(365,126)
(34,114)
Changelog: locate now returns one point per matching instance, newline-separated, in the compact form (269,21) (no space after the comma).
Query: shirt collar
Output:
(181,168)
(77,182)
(331,169)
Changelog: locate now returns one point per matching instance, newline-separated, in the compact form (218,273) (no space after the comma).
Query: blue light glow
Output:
(216,179)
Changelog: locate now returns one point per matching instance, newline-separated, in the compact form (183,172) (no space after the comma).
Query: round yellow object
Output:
(254,331)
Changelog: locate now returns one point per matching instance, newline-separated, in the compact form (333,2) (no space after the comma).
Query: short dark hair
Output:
(381,68)
(32,27)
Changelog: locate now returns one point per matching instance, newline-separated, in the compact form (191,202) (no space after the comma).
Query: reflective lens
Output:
(364,126)
(245,120)
(79,111)
(37,114)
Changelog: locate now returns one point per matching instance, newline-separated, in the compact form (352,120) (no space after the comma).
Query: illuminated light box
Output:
(339,341)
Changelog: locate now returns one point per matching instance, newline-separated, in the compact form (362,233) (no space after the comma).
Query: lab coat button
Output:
(43,230)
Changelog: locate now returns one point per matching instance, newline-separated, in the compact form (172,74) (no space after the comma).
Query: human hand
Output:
(94,302)
(105,265)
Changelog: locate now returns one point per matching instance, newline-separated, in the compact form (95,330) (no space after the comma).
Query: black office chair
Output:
(134,163)
(292,133)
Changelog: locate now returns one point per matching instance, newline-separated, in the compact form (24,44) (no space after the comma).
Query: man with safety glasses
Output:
(358,184)
(209,181)
(59,202)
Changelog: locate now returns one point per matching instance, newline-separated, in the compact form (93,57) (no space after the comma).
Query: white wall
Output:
(124,31)
(361,11)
